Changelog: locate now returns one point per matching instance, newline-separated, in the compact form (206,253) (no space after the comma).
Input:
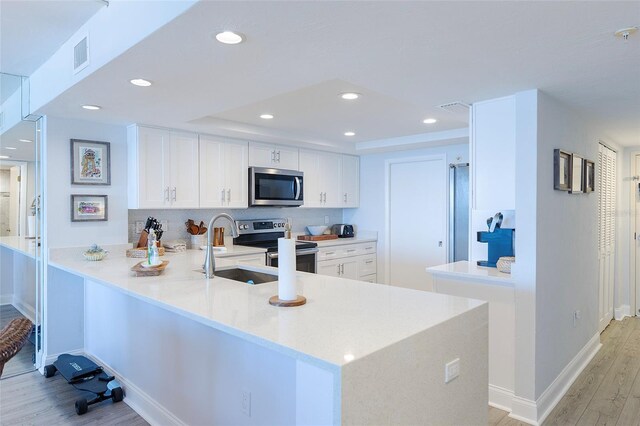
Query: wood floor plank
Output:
(630,415)
(496,415)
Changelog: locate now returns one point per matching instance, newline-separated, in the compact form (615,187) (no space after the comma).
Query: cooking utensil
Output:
(203,230)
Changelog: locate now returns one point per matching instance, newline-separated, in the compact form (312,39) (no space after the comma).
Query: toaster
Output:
(342,230)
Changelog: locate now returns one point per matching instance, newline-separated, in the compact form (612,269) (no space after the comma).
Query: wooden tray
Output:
(317,237)
(141,252)
(149,272)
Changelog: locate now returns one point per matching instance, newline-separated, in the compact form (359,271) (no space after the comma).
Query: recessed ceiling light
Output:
(91,107)
(10,147)
(350,96)
(429,121)
(4,156)
(25,140)
(266,116)
(229,37)
(349,133)
(140,82)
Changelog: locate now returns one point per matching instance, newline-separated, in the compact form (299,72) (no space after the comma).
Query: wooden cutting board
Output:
(317,237)
(141,271)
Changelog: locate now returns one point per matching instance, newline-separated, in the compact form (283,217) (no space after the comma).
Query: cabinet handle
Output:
(175,193)
(342,269)
(338,265)
(368,262)
(228,195)
(351,250)
(368,248)
(273,156)
(330,252)
(166,194)
(278,156)
(325,197)
(222,196)
(345,197)
(321,197)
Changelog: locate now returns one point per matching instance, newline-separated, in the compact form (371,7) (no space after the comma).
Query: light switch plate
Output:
(451,370)
(139,227)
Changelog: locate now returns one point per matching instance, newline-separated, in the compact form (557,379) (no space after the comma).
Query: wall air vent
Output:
(455,107)
(81,55)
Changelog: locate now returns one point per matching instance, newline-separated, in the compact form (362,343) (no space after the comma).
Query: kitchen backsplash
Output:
(176,218)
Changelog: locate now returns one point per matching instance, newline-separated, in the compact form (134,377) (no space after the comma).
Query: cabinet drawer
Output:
(373,278)
(257,260)
(367,265)
(347,250)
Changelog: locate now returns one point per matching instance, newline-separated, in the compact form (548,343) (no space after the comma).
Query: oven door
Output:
(275,187)
(305,260)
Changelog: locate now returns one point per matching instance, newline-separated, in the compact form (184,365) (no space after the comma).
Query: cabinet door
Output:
(212,172)
(185,176)
(261,155)
(309,165)
(236,166)
(331,179)
(350,181)
(286,158)
(366,265)
(152,168)
(349,268)
(331,268)
(254,259)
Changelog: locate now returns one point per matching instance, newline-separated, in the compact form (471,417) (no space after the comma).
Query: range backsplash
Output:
(176,218)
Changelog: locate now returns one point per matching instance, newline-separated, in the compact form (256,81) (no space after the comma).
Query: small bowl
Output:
(95,256)
(317,229)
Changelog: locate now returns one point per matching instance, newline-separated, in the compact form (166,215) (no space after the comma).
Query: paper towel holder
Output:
(298,301)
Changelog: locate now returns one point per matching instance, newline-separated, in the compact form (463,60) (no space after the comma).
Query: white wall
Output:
(370,216)
(61,231)
(567,245)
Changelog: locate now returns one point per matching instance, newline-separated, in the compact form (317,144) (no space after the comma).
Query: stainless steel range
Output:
(264,233)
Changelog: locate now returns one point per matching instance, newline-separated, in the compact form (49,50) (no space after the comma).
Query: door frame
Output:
(634,279)
(387,207)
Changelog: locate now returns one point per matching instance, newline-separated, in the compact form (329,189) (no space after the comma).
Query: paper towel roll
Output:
(286,269)
(31,226)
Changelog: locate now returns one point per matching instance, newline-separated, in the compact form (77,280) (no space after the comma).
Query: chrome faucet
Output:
(209,259)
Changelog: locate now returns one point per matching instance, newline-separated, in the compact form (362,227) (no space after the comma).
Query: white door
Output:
(261,155)
(211,173)
(286,158)
(309,165)
(185,176)
(330,268)
(330,178)
(416,226)
(236,174)
(350,181)
(153,168)
(606,183)
(636,198)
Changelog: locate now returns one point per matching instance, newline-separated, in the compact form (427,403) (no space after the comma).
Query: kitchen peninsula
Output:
(194,351)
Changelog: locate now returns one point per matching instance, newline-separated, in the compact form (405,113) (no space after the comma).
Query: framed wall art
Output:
(89,208)
(562,171)
(90,162)
(589,176)
(576,174)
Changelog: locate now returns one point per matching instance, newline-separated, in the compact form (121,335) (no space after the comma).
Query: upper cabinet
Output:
(223,173)
(163,168)
(274,156)
(493,153)
(330,180)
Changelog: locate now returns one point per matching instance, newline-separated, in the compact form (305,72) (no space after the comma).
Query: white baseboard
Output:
(535,412)
(50,359)
(26,310)
(500,398)
(621,312)
(147,407)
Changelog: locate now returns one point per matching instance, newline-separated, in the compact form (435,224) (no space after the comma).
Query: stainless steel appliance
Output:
(342,230)
(458,212)
(275,187)
(264,233)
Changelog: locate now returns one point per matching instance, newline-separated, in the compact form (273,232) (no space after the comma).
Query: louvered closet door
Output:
(606,187)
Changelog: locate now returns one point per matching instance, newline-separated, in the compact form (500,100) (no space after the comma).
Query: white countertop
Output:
(26,246)
(469,270)
(343,320)
(343,241)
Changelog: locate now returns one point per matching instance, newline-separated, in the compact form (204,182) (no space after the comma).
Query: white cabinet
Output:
(163,168)
(493,154)
(322,178)
(249,259)
(355,261)
(223,173)
(276,156)
(350,181)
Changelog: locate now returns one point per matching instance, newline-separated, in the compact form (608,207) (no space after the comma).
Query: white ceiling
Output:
(404,57)
(24,151)
(31,31)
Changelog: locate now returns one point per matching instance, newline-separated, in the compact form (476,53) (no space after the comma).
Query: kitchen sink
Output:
(245,275)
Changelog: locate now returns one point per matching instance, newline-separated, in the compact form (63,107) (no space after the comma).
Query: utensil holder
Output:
(198,241)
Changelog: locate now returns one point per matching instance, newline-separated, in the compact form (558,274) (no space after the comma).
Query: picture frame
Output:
(561,170)
(89,208)
(577,174)
(589,179)
(90,162)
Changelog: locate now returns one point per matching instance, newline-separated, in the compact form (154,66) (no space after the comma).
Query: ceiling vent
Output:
(81,55)
(455,107)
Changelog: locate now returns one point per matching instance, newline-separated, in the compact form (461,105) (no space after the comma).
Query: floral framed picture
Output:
(90,162)
(89,208)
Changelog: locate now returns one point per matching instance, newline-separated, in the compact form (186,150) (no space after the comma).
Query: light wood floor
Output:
(30,399)
(607,392)
(23,360)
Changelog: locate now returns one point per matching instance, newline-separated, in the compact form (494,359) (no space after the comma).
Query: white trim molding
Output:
(500,398)
(621,312)
(535,412)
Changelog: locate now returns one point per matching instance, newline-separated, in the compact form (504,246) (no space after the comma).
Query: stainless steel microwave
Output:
(275,187)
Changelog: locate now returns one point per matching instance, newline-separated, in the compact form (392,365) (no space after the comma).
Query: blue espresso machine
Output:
(500,241)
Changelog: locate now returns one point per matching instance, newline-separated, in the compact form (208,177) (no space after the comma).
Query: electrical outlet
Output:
(165,225)
(246,403)
(577,315)
(326,220)
(451,370)
(139,227)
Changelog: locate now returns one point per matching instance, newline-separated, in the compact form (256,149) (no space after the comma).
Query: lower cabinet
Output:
(353,261)
(257,259)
